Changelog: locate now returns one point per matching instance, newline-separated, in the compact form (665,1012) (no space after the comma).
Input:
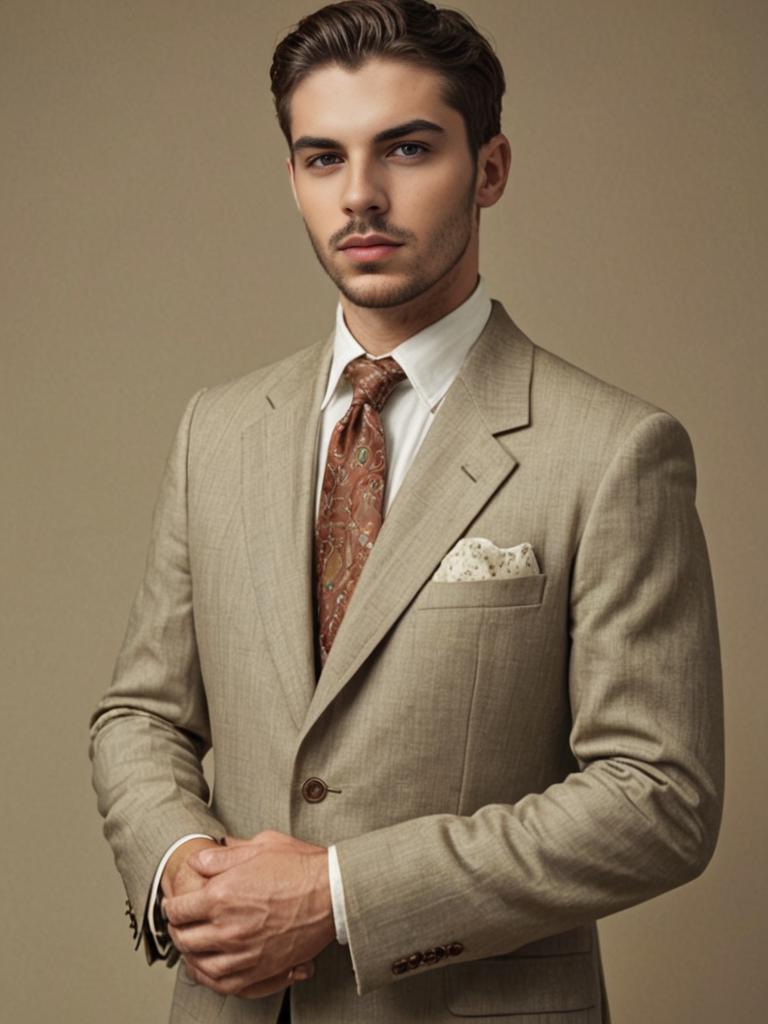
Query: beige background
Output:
(150,246)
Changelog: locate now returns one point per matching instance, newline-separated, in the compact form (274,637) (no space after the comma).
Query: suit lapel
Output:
(457,469)
(279,471)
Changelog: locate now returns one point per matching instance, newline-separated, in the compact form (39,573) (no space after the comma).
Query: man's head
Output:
(350,33)
(391,109)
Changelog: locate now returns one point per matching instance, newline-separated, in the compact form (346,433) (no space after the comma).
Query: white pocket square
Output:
(476,558)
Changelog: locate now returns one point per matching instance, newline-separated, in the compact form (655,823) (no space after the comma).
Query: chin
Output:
(368,283)
(375,289)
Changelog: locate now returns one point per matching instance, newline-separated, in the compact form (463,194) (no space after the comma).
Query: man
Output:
(438,600)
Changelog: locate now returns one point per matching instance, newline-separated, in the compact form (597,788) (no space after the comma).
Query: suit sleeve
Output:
(642,813)
(150,731)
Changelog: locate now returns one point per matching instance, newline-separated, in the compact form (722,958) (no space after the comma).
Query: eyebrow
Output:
(397,132)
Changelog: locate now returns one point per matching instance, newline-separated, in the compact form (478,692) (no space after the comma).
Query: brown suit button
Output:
(314,790)
(415,960)
(132,919)
(430,956)
(455,948)
(399,966)
(440,952)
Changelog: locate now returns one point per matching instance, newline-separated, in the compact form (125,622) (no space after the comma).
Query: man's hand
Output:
(262,915)
(179,877)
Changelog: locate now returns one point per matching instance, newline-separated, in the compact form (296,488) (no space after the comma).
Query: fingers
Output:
(185,880)
(235,984)
(212,860)
(187,908)
(195,939)
(303,971)
(296,974)
(215,861)
(241,984)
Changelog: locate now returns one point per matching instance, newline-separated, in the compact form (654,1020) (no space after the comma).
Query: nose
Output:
(363,189)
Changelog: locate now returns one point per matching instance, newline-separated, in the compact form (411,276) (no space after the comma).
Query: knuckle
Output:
(207,978)
(217,894)
(237,934)
(215,969)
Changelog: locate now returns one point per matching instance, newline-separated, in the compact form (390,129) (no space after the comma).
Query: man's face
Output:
(362,166)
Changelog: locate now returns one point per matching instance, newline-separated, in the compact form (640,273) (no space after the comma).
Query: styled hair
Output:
(351,32)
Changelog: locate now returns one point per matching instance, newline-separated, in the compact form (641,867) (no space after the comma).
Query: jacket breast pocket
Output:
(497,593)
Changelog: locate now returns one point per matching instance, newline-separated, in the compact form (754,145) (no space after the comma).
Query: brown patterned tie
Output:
(352,497)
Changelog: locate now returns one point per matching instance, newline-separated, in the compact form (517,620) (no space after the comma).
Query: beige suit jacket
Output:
(506,760)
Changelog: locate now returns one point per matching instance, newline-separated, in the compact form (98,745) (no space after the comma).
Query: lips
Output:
(368,241)
(369,253)
(369,248)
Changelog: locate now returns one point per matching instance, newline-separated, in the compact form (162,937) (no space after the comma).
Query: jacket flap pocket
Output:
(577,940)
(549,984)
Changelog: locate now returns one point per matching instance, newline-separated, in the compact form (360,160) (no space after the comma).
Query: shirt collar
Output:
(431,359)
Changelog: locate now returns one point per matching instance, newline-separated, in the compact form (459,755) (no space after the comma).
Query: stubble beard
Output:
(446,249)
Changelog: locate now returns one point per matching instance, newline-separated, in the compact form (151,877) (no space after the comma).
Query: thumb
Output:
(213,862)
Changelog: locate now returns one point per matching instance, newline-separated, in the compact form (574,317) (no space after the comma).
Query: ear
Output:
(493,163)
(292,176)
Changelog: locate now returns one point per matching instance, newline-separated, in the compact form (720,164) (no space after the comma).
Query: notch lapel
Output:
(457,469)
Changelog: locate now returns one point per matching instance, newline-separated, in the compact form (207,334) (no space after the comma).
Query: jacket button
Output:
(415,960)
(314,790)
(399,966)
(454,948)
(132,919)
(440,952)
(430,956)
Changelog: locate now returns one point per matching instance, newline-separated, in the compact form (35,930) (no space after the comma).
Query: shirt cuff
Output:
(337,897)
(162,941)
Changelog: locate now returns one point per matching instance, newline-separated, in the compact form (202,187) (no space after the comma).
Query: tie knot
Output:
(373,379)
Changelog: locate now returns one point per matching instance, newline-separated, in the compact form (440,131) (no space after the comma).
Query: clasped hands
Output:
(249,917)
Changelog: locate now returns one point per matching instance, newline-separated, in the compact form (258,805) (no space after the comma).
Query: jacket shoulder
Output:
(235,403)
(586,411)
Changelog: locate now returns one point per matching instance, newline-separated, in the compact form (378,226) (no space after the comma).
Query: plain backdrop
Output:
(151,246)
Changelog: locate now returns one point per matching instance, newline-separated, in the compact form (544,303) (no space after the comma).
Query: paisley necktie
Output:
(352,497)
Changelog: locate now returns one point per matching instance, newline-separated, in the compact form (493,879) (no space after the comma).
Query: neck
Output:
(380,330)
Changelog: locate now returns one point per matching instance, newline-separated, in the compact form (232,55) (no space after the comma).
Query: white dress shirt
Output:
(431,360)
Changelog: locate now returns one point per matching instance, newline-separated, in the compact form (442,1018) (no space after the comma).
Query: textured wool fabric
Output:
(507,760)
(352,497)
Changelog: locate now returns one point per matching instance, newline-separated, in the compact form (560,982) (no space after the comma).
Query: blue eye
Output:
(321,157)
(409,150)
(412,145)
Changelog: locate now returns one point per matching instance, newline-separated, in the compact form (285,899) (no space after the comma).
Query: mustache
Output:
(376,226)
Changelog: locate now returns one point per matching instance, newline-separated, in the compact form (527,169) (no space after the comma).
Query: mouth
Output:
(369,249)
(369,253)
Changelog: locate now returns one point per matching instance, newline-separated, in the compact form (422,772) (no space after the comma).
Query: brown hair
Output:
(350,32)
